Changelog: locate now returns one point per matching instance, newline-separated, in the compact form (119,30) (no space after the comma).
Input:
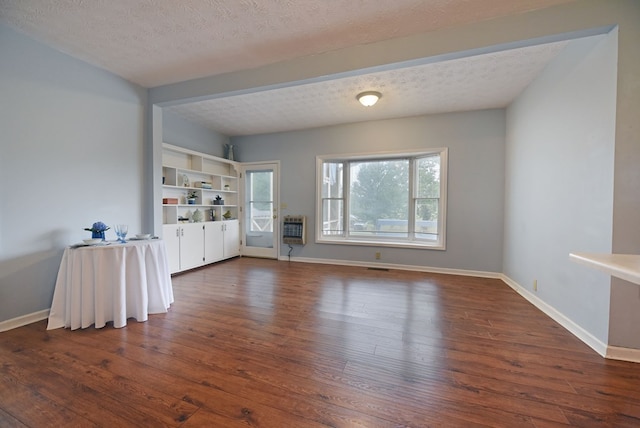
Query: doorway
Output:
(260,220)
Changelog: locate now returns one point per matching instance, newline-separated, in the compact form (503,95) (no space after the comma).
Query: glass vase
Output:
(97,234)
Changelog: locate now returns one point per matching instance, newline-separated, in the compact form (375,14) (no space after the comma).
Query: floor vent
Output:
(382,269)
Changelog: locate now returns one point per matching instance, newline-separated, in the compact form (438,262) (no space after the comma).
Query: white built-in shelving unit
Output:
(198,232)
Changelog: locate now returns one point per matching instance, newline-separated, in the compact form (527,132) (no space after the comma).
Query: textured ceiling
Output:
(472,83)
(157,42)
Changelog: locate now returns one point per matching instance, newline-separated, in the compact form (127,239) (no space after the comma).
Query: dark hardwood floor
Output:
(262,343)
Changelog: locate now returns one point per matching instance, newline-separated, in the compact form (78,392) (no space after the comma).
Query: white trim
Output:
(573,328)
(429,269)
(24,320)
(623,354)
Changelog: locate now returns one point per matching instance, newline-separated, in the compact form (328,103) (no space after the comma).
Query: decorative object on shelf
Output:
(227,215)
(97,230)
(192,196)
(163,180)
(170,201)
(218,201)
(197,216)
(229,149)
(226,187)
(212,214)
(203,184)
(185,180)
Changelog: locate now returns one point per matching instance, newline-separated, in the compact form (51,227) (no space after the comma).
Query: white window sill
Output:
(383,243)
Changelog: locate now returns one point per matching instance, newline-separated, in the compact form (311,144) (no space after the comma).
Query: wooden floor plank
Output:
(8,421)
(264,343)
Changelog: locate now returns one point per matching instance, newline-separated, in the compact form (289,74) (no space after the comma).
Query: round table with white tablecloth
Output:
(111,282)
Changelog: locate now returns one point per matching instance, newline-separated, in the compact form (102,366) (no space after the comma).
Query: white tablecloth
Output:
(111,283)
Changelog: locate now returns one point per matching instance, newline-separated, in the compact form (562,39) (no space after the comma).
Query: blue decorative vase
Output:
(95,234)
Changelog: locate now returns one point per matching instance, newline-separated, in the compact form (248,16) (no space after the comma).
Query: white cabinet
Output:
(198,232)
(221,240)
(213,238)
(191,245)
(231,241)
(171,237)
(196,244)
(185,245)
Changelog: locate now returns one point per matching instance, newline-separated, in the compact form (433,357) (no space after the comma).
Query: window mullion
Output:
(346,191)
(412,200)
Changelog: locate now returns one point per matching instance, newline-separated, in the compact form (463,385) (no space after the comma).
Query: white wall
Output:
(70,154)
(475,184)
(559,181)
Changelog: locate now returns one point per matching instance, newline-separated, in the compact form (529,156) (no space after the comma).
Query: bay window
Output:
(396,199)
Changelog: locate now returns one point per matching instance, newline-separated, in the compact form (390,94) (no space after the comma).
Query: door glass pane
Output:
(259,209)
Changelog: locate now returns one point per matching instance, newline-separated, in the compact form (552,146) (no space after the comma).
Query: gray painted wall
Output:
(559,193)
(624,320)
(70,154)
(182,133)
(475,184)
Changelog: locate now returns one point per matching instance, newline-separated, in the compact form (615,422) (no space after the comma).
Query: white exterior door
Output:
(260,220)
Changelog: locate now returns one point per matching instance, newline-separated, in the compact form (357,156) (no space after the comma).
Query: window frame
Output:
(411,241)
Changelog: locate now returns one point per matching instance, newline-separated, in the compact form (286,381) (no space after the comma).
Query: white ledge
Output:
(624,266)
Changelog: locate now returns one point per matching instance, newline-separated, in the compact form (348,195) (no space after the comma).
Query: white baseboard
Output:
(623,354)
(573,328)
(607,351)
(378,265)
(24,320)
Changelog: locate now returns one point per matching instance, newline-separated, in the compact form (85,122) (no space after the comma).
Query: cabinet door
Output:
(171,238)
(191,245)
(213,237)
(231,238)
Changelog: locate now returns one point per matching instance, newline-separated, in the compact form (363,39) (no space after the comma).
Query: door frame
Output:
(271,253)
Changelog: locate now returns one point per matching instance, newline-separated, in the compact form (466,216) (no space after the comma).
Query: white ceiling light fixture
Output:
(369,98)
